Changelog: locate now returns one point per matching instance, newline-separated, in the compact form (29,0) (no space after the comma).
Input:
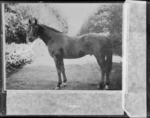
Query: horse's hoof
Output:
(63,84)
(57,88)
(99,87)
(106,87)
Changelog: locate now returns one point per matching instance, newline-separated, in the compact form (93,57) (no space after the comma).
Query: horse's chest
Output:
(55,50)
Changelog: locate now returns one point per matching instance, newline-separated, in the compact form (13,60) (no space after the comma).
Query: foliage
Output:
(17,15)
(107,18)
(14,28)
(16,20)
(15,58)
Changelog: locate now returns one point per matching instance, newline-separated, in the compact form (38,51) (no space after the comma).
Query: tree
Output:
(107,18)
(17,15)
(14,28)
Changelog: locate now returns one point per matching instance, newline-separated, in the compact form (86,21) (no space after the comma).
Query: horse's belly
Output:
(74,54)
(76,49)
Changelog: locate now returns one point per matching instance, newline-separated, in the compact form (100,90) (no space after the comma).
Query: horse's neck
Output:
(45,34)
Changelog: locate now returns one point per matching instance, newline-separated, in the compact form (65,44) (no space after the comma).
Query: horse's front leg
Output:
(58,67)
(107,80)
(63,72)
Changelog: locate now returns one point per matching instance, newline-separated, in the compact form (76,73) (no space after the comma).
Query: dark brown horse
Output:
(62,46)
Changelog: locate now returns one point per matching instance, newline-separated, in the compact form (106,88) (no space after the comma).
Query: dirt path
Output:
(82,74)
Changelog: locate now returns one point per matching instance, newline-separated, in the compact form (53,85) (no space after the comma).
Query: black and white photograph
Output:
(70,46)
(74,58)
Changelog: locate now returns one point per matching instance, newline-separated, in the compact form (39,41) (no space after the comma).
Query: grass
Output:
(42,75)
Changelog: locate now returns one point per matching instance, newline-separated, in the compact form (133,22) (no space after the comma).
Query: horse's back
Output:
(75,47)
(93,43)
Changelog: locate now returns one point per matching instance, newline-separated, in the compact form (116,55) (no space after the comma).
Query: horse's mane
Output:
(50,28)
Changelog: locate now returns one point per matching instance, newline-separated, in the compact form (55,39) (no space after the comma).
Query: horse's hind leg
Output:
(64,75)
(101,62)
(108,68)
(107,80)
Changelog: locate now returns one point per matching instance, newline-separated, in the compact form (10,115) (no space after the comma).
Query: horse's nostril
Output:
(30,39)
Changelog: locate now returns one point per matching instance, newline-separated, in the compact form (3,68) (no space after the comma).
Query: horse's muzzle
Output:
(29,39)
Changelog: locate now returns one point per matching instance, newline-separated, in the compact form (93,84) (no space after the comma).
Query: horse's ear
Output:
(29,21)
(35,21)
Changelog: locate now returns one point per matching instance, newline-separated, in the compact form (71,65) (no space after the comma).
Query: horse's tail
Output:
(109,55)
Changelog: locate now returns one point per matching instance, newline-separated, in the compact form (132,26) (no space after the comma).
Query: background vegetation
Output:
(107,18)
(16,20)
(17,15)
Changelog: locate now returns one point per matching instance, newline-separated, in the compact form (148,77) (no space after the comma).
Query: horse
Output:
(62,46)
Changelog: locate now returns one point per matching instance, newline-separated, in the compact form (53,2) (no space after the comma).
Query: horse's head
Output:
(32,30)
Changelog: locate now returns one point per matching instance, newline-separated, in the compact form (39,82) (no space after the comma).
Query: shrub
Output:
(14,29)
(16,58)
